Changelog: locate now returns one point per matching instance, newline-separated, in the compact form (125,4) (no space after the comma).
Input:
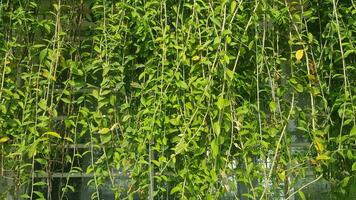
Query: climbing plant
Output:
(177,99)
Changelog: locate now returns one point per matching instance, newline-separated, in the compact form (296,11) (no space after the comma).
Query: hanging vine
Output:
(186,99)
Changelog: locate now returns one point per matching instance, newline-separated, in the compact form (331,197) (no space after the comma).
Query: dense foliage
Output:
(187,99)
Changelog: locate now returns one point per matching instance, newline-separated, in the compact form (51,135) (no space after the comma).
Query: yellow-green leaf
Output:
(42,104)
(282,175)
(69,139)
(104,131)
(302,196)
(222,103)
(4,139)
(180,147)
(54,134)
(233,6)
(319,146)
(177,188)
(353,131)
(273,106)
(354,166)
(216,127)
(47,75)
(196,58)
(299,54)
(322,157)
(214,148)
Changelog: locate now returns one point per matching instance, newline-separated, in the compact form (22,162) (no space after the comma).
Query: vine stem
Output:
(277,148)
(244,33)
(92,164)
(3,76)
(307,64)
(304,186)
(74,153)
(343,68)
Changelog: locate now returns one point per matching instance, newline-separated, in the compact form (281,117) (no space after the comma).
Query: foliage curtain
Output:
(188,99)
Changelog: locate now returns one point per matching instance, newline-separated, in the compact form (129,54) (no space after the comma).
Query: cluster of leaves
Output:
(189,99)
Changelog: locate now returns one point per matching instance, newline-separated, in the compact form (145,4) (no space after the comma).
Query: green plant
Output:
(187,99)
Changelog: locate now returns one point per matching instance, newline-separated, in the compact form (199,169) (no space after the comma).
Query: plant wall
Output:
(187,99)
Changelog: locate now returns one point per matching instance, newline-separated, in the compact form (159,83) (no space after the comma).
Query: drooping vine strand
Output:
(179,99)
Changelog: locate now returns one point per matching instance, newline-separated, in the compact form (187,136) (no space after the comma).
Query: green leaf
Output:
(42,104)
(39,194)
(105,138)
(230,74)
(68,139)
(354,166)
(54,134)
(222,103)
(182,85)
(345,181)
(177,188)
(216,22)
(213,175)
(71,188)
(299,54)
(322,157)
(126,117)
(214,148)
(40,183)
(293,81)
(217,40)
(104,131)
(25,196)
(310,37)
(301,194)
(180,147)
(95,94)
(65,100)
(216,127)
(308,13)
(318,133)
(273,106)
(41,161)
(282,175)
(353,131)
(348,52)
(32,149)
(4,139)
(233,6)
(196,58)
(299,88)
(43,54)
(175,121)
(47,75)
(135,85)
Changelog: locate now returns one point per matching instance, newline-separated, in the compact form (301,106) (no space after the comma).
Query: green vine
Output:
(185,99)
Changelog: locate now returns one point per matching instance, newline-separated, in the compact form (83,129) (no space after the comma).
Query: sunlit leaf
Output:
(299,54)
(301,195)
(222,103)
(216,127)
(273,106)
(282,175)
(353,131)
(104,131)
(4,139)
(180,147)
(54,134)
(196,58)
(214,148)
(322,157)
(354,166)
(47,75)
